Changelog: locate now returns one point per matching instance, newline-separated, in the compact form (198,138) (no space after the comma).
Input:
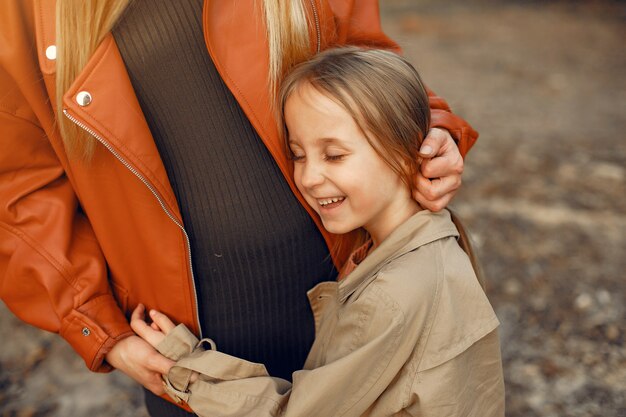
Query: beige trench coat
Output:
(409,332)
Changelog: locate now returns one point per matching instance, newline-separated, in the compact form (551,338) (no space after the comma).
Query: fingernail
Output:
(152,312)
(426,150)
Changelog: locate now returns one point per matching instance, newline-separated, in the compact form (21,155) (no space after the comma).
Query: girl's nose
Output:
(311,175)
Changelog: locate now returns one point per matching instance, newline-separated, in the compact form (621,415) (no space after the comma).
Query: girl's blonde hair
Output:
(83,24)
(385,96)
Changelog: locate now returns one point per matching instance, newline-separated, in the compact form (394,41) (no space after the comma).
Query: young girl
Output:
(408,329)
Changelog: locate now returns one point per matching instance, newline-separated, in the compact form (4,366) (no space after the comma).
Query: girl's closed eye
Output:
(296,153)
(334,152)
(335,157)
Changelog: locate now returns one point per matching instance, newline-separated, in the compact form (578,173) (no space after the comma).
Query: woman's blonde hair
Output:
(385,96)
(80,27)
(83,24)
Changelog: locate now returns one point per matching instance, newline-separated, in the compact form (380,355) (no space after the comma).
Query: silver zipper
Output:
(154,192)
(317,26)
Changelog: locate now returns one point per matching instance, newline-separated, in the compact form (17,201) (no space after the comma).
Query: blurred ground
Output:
(544,194)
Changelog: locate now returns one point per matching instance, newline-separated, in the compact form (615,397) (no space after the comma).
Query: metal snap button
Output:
(83,98)
(86,331)
(51,52)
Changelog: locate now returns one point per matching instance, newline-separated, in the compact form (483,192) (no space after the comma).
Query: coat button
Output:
(86,331)
(83,98)
(51,52)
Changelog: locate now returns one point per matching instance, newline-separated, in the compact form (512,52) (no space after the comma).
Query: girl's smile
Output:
(329,203)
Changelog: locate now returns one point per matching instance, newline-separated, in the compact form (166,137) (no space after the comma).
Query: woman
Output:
(140,162)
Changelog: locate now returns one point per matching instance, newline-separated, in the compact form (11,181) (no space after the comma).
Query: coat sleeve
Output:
(367,363)
(470,384)
(52,271)
(358,23)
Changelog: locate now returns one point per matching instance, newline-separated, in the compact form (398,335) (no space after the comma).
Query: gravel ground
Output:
(544,195)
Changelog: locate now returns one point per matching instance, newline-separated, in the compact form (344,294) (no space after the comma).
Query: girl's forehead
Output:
(310,95)
(318,117)
(313,93)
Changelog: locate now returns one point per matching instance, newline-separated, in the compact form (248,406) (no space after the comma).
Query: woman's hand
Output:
(440,173)
(138,359)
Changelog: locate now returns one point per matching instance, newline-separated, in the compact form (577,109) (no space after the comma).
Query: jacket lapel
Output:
(114,115)
(234,33)
(235,36)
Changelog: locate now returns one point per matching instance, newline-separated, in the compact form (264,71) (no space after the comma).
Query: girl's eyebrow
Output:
(320,140)
(329,140)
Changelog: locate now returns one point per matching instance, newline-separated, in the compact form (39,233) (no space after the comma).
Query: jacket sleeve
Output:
(347,385)
(358,23)
(52,271)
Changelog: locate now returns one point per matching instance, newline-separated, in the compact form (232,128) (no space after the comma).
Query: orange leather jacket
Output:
(81,244)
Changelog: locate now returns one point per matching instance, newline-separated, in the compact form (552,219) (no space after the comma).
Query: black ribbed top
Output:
(255,250)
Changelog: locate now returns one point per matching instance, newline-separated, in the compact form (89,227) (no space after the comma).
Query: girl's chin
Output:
(337,228)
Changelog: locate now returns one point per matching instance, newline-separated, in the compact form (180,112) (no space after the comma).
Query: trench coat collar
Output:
(420,229)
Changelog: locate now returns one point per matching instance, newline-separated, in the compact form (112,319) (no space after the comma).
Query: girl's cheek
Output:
(297,177)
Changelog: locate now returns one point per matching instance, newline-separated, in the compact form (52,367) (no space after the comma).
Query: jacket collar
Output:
(420,229)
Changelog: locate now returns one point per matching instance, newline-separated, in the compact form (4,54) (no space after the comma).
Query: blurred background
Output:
(544,195)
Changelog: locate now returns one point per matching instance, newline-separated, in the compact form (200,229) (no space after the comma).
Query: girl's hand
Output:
(440,172)
(155,332)
(140,361)
(136,356)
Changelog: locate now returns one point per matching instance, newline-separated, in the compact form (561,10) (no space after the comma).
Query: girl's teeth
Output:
(330,200)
